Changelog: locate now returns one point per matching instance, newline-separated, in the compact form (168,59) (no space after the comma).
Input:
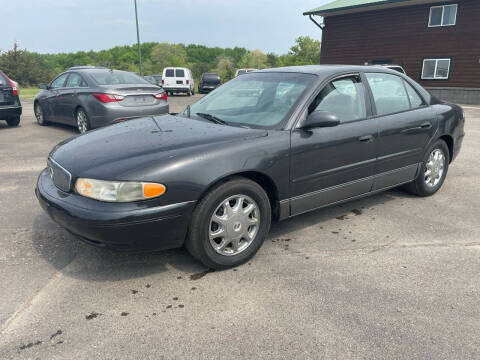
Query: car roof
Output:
(327,70)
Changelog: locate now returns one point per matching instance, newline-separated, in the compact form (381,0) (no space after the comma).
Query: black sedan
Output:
(10,106)
(265,146)
(89,97)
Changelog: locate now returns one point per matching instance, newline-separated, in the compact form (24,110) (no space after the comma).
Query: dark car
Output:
(209,82)
(90,97)
(10,106)
(265,146)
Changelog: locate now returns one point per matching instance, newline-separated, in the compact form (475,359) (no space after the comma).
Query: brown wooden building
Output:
(436,42)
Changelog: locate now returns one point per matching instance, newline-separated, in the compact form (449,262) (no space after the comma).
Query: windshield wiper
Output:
(212,118)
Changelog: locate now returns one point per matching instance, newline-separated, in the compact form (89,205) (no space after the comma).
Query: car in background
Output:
(158,79)
(209,82)
(89,97)
(10,106)
(243,71)
(178,80)
(397,68)
(150,79)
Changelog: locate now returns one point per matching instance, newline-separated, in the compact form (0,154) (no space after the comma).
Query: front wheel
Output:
(229,224)
(83,124)
(433,171)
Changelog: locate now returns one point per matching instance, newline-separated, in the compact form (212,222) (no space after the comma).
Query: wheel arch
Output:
(262,179)
(449,141)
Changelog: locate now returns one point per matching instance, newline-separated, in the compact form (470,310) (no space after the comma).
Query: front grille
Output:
(60,176)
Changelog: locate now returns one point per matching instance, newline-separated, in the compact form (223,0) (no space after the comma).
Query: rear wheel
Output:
(193,91)
(14,120)
(229,224)
(39,115)
(83,124)
(433,172)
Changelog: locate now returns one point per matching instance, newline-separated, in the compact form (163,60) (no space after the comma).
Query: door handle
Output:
(366,138)
(426,125)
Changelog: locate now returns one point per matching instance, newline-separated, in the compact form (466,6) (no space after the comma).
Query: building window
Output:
(445,15)
(436,69)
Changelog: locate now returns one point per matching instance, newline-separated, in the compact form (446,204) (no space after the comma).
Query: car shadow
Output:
(76,259)
(73,258)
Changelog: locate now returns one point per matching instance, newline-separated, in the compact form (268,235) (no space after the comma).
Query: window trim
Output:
(436,67)
(443,14)
(303,113)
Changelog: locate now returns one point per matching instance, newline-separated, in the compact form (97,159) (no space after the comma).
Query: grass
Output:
(28,92)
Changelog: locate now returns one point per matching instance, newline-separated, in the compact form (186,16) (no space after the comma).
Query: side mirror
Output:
(43,86)
(320,118)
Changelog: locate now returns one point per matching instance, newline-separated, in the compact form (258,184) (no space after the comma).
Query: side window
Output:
(388,93)
(58,82)
(75,81)
(344,97)
(415,99)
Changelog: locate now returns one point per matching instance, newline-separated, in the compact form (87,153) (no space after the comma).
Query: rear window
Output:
(211,76)
(3,80)
(113,77)
(179,73)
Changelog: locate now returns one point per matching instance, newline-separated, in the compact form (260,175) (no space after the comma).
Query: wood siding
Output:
(403,35)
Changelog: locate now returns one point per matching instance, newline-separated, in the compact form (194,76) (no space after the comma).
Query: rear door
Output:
(169,78)
(180,78)
(68,99)
(6,92)
(405,123)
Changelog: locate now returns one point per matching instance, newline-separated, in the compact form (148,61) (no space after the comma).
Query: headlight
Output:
(118,191)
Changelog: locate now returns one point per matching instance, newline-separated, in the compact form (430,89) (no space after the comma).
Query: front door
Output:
(405,123)
(331,164)
(53,98)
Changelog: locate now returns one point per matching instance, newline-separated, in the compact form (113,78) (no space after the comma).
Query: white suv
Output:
(178,79)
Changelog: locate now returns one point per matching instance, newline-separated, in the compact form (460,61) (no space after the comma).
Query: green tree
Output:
(254,59)
(225,68)
(24,67)
(306,51)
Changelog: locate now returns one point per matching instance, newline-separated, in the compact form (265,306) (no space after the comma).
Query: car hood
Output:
(109,152)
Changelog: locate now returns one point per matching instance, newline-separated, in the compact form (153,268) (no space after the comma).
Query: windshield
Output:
(262,100)
(113,77)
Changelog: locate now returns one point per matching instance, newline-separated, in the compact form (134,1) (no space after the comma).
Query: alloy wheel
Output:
(434,168)
(234,225)
(82,122)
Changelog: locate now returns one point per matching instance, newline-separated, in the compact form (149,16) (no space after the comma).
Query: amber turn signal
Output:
(152,190)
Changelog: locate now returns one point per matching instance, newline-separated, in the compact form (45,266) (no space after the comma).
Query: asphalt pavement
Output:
(392,276)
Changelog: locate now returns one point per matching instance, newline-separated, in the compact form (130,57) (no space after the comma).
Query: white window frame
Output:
(435,77)
(443,13)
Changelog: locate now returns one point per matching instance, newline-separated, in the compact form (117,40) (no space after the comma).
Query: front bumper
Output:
(9,111)
(141,225)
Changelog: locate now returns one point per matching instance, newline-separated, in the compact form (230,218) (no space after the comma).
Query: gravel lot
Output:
(390,276)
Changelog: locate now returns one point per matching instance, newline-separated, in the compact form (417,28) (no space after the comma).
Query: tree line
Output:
(31,68)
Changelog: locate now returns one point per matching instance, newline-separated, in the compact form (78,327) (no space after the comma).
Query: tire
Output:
(255,224)
(427,184)
(13,121)
(82,120)
(189,93)
(193,91)
(39,114)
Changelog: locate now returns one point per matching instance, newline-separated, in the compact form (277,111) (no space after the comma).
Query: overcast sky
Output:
(51,26)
